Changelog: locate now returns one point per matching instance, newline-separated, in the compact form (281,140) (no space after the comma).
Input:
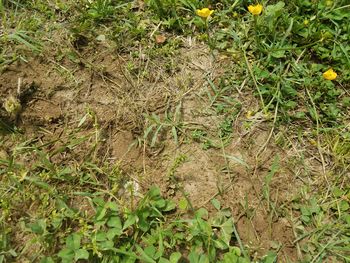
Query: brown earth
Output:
(114,98)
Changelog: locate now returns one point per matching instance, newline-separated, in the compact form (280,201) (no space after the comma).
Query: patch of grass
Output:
(101,227)
(60,201)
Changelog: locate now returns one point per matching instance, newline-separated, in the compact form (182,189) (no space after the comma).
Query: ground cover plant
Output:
(174,131)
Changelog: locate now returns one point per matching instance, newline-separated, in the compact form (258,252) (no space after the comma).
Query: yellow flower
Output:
(204,12)
(255,9)
(330,74)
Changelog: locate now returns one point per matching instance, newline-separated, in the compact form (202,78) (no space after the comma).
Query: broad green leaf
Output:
(39,227)
(113,206)
(171,205)
(106,245)
(163,260)
(215,202)
(226,231)
(201,213)
(193,257)
(132,218)
(153,192)
(66,254)
(73,241)
(346,218)
(175,257)
(271,257)
(113,232)
(337,192)
(150,251)
(101,236)
(115,222)
(183,204)
(81,254)
(145,257)
(344,206)
(230,257)
(278,54)
(160,203)
(101,212)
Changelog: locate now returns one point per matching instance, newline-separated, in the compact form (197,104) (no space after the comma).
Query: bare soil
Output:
(56,95)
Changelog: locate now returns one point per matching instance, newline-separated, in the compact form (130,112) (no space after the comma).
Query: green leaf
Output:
(230,257)
(271,257)
(155,136)
(73,241)
(193,257)
(203,259)
(275,10)
(113,232)
(344,206)
(115,222)
(101,236)
(201,213)
(163,260)
(170,205)
(81,254)
(175,257)
(160,251)
(39,227)
(160,203)
(106,245)
(346,218)
(278,54)
(274,169)
(150,251)
(236,250)
(130,221)
(314,207)
(143,222)
(100,214)
(337,192)
(113,206)
(145,257)
(66,254)
(346,101)
(174,131)
(226,231)
(215,203)
(183,204)
(305,219)
(153,192)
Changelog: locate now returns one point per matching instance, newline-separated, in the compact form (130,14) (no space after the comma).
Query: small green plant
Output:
(101,10)
(157,126)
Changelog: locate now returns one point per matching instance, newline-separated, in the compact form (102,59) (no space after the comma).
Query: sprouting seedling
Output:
(12,104)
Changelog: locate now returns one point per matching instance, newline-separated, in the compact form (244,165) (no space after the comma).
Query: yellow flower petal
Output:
(204,12)
(330,74)
(255,9)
